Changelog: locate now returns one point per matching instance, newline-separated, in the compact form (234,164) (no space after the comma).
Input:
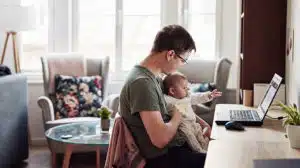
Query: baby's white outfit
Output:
(188,126)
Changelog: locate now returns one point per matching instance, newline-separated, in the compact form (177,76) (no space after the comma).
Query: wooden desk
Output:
(234,149)
(240,154)
(271,130)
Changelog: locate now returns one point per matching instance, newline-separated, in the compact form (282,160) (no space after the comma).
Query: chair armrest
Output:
(204,112)
(200,109)
(47,108)
(112,102)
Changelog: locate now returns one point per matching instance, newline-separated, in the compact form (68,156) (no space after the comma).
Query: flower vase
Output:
(293,132)
(105,124)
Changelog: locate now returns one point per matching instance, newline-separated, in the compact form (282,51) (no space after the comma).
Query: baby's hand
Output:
(215,93)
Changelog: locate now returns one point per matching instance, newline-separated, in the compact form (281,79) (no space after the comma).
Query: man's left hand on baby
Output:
(207,131)
(215,93)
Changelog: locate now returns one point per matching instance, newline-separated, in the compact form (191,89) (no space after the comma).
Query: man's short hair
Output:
(171,80)
(173,37)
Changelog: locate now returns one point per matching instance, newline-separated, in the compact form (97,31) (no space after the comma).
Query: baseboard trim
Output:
(39,142)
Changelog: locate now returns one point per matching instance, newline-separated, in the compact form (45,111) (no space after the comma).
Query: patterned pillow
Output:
(77,96)
(202,87)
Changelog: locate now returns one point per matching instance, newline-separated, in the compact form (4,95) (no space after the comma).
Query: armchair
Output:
(214,71)
(71,64)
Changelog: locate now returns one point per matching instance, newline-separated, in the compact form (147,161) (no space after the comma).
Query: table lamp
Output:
(13,19)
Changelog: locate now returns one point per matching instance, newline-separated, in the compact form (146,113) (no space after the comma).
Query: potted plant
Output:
(292,123)
(104,114)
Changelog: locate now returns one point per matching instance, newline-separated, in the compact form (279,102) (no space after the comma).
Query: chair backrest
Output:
(221,73)
(73,64)
(215,71)
(198,71)
(99,66)
(122,149)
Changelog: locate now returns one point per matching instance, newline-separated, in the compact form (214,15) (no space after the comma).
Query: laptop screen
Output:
(270,93)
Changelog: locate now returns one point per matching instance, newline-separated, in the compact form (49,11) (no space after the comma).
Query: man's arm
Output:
(145,101)
(160,133)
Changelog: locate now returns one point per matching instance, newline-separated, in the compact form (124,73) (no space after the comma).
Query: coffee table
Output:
(81,133)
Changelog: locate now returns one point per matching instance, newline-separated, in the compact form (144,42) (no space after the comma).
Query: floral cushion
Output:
(202,87)
(77,96)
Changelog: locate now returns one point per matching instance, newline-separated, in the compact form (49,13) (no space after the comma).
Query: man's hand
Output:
(207,131)
(206,127)
(176,113)
(172,109)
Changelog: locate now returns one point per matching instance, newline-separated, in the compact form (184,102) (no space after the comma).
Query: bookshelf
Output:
(262,42)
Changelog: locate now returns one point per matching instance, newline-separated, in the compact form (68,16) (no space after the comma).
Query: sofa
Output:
(13,120)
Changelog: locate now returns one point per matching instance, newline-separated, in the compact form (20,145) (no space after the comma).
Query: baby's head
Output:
(176,85)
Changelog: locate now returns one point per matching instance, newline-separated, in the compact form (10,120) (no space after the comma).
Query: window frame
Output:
(184,21)
(63,31)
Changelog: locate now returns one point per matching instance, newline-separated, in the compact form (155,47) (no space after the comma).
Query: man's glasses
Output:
(184,60)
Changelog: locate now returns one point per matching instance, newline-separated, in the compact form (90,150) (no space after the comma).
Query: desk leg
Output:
(98,157)
(67,156)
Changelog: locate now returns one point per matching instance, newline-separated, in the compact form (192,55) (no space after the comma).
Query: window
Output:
(130,40)
(124,30)
(141,21)
(96,34)
(200,19)
(35,42)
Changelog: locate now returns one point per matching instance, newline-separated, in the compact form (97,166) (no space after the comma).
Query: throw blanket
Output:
(122,150)
(189,128)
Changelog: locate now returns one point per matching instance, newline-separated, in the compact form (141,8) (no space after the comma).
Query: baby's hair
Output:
(171,80)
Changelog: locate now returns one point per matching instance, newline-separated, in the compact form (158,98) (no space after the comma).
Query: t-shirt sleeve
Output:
(143,96)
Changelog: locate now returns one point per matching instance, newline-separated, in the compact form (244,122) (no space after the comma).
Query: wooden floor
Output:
(40,157)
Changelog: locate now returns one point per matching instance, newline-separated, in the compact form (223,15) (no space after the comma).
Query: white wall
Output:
(35,114)
(227,49)
(229,33)
(292,70)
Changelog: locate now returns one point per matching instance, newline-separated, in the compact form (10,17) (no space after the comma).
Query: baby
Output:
(196,131)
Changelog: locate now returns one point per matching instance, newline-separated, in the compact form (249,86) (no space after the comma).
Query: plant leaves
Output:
(293,115)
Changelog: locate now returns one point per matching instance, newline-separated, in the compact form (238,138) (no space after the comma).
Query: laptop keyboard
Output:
(244,115)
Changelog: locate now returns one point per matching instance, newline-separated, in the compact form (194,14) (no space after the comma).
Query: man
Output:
(143,107)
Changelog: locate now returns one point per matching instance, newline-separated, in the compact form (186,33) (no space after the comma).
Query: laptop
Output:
(249,116)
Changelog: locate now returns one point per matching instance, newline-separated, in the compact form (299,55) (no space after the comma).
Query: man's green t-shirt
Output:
(142,92)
